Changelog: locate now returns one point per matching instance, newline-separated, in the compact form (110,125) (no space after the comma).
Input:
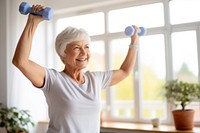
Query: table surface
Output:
(109,126)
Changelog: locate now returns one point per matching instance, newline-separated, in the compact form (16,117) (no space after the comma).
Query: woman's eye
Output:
(76,48)
(87,47)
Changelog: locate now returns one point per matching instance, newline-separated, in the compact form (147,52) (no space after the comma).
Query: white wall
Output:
(3,51)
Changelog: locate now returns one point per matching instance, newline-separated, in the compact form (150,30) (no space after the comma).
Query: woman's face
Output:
(77,54)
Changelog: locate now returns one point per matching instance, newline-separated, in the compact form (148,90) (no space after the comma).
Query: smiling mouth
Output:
(81,60)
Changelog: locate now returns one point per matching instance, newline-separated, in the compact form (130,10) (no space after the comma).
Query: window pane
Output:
(185,63)
(146,16)
(152,55)
(97,58)
(183,11)
(184,53)
(92,23)
(122,102)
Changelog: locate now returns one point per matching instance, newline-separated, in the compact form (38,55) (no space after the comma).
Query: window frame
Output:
(166,30)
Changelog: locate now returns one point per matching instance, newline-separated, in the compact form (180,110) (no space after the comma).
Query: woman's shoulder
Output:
(98,73)
(52,72)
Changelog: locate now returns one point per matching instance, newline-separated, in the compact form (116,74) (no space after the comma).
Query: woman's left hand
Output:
(135,36)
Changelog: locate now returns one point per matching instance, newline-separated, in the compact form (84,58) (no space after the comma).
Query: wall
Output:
(3,51)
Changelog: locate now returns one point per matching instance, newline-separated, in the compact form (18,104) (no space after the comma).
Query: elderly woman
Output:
(73,96)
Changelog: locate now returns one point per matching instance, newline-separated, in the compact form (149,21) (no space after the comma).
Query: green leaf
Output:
(181,93)
(14,119)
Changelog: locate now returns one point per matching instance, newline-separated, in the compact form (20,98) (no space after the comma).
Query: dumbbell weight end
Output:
(24,8)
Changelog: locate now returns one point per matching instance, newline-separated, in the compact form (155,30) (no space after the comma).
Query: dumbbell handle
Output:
(129,31)
(46,13)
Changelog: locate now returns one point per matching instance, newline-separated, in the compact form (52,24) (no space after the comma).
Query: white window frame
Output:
(166,30)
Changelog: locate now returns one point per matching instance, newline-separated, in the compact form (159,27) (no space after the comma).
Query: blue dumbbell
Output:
(129,31)
(46,13)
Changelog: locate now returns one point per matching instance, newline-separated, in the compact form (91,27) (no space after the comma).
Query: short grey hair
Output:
(67,36)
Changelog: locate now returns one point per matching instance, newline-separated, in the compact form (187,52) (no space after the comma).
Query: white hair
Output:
(67,36)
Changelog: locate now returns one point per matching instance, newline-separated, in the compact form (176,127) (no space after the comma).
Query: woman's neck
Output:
(75,74)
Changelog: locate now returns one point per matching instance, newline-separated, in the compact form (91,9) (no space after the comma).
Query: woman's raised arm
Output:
(34,72)
(129,62)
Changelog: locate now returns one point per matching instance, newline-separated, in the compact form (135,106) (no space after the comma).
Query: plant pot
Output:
(21,132)
(183,119)
(3,130)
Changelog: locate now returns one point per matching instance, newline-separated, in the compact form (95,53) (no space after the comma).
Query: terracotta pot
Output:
(183,119)
(3,130)
(101,119)
(21,132)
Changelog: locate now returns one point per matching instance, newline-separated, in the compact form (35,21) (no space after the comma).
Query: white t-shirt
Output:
(74,108)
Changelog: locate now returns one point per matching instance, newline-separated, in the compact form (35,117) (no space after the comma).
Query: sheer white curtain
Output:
(21,93)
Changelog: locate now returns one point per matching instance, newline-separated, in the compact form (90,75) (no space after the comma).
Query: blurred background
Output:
(169,50)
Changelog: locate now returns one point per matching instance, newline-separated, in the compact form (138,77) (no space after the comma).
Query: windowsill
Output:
(143,128)
(119,127)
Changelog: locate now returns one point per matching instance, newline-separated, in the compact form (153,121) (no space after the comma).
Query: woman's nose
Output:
(83,51)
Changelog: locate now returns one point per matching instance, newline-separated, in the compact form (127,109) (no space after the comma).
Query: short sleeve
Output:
(104,78)
(50,77)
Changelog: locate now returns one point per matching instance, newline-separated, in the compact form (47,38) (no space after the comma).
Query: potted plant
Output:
(182,93)
(15,120)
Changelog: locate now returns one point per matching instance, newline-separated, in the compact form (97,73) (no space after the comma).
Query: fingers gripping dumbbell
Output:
(46,13)
(129,31)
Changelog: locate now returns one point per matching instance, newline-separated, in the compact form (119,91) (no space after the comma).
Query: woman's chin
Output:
(83,66)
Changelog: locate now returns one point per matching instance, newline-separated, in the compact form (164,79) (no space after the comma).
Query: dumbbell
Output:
(129,31)
(46,13)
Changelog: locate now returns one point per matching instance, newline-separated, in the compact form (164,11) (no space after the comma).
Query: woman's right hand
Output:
(34,17)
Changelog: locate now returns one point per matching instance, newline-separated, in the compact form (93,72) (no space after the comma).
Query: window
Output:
(93,23)
(185,63)
(184,52)
(122,102)
(144,15)
(97,59)
(152,55)
(169,43)
(184,11)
